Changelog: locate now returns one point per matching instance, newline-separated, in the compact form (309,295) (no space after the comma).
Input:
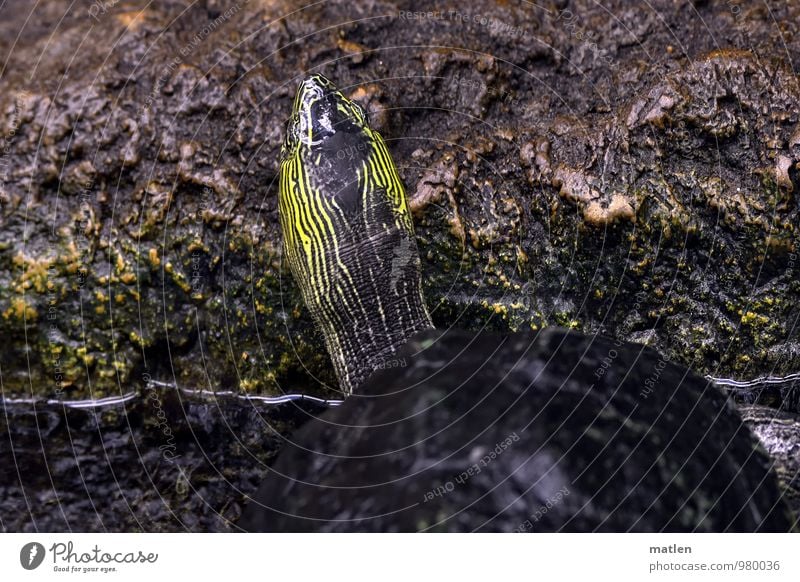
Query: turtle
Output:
(457,430)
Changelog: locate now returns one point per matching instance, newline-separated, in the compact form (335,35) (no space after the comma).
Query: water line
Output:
(299,397)
(204,394)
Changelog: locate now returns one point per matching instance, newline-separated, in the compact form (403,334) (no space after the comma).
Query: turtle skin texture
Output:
(543,432)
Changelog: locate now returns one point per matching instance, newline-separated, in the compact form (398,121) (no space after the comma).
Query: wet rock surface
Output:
(779,432)
(197,461)
(635,175)
(158,463)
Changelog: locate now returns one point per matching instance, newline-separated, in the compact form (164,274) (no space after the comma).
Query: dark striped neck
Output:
(359,351)
(348,233)
(374,306)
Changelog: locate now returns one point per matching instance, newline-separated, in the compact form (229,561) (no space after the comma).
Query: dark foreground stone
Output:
(196,460)
(555,432)
(166,462)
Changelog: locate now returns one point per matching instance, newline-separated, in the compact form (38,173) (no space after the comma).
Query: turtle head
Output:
(321,114)
(348,236)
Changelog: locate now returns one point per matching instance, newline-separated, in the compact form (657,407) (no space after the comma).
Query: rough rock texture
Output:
(636,175)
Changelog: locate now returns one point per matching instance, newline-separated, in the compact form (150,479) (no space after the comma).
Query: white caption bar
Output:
(401,557)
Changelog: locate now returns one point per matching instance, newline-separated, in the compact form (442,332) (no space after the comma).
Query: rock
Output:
(157,462)
(779,432)
(138,200)
(138,222)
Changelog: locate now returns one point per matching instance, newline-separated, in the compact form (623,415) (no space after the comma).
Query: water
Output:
(173,459)
(161,460)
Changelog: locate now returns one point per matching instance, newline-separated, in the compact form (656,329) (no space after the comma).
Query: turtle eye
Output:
(301,127)
(292,127)
(292,132)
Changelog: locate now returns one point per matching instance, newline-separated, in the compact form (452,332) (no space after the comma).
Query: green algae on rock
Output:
(138,201)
